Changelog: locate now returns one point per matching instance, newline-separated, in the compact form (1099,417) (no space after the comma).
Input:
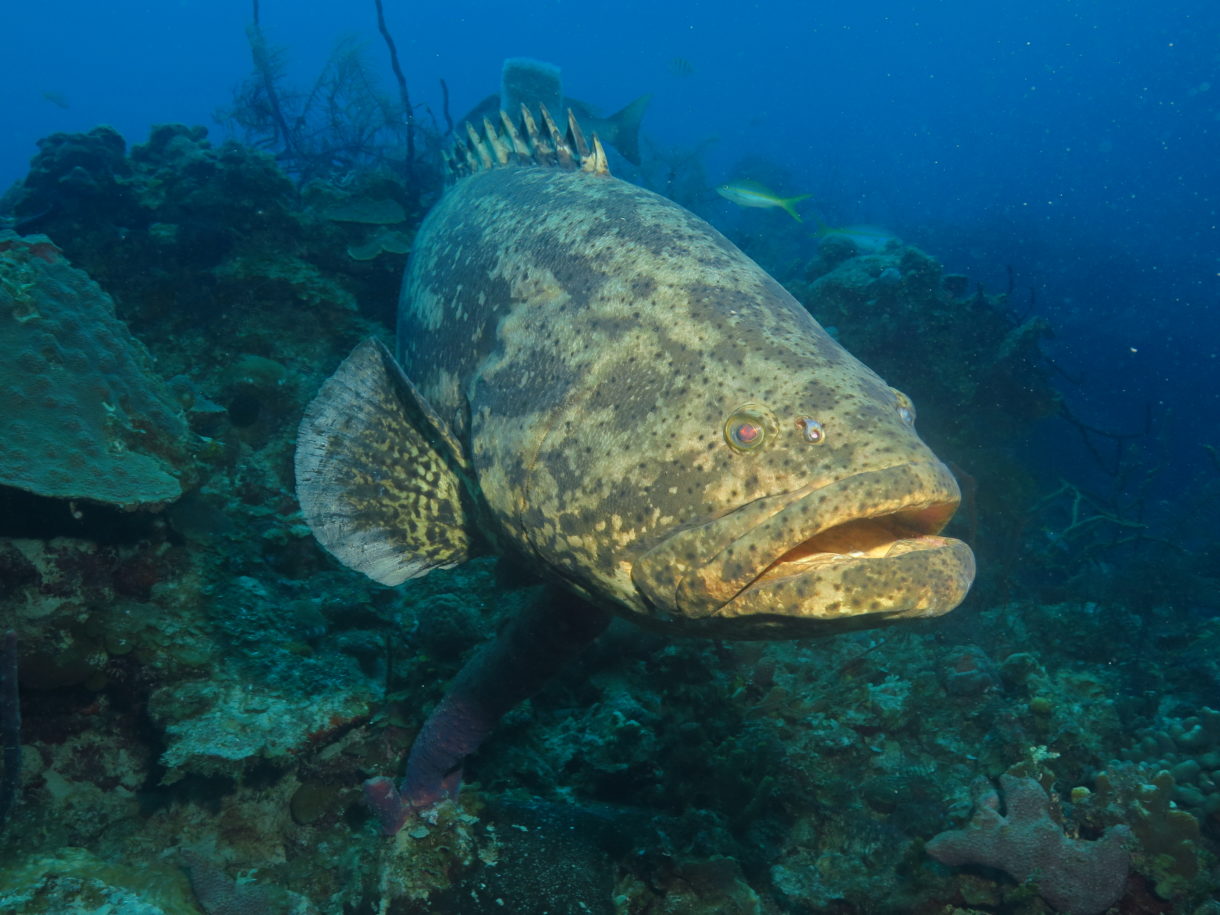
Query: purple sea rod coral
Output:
(512,667)
(1074,876)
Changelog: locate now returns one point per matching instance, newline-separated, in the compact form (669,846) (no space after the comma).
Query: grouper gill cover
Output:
(593,379)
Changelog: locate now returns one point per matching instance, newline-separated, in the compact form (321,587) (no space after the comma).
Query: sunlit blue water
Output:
(1067,147)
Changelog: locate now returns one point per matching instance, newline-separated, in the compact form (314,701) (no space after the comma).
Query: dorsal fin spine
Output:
(558,143)
(476,143)
(543,153)
(469,159)
(524,142)
(595,163)
(497,145)
(578,137)
(519,145)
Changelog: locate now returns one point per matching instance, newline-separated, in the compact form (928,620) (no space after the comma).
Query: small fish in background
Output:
(752,194)
(58,99)
(867,239)
(680,66)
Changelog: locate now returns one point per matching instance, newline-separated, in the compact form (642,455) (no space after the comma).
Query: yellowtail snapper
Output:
(752,194)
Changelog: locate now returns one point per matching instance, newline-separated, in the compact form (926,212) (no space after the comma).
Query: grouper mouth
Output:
(859,552)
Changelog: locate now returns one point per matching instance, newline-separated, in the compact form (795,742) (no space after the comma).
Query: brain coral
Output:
(82,415)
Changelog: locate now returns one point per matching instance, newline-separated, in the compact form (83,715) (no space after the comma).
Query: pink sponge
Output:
(1074,876)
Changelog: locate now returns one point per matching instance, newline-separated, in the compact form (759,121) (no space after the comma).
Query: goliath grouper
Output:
(594,382)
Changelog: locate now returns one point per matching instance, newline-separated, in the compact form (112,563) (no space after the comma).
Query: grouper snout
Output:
(855,553)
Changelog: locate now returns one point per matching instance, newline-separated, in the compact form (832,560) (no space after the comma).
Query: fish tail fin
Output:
(624,128)
(788,203)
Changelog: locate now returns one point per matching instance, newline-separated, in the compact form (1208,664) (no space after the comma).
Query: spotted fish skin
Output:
(586,341)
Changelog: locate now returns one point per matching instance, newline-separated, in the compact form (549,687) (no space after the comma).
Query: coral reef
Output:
(1168,845)
(203,691)
(186,235)
(74,880)
(1188,747)
(897,307)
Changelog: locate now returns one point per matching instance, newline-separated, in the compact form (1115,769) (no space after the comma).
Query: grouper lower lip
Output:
(846,555)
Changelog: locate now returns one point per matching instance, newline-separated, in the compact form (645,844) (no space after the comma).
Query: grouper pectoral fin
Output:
(381,479)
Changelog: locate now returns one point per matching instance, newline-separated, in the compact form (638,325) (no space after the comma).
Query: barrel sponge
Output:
(82,414)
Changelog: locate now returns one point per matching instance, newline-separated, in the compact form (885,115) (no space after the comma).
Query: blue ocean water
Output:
(1068,141)
(1058,153)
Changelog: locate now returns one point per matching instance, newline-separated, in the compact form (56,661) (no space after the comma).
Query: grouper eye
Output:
(812,430)
(746,428)
(906,409)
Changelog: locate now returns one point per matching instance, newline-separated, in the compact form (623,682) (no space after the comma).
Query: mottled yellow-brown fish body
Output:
(604,385)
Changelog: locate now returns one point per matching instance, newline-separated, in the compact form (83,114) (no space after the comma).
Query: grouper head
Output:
(830,522)
(701,455)
(761,486)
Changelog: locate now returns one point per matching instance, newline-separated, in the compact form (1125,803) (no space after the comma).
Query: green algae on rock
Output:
(85,416)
